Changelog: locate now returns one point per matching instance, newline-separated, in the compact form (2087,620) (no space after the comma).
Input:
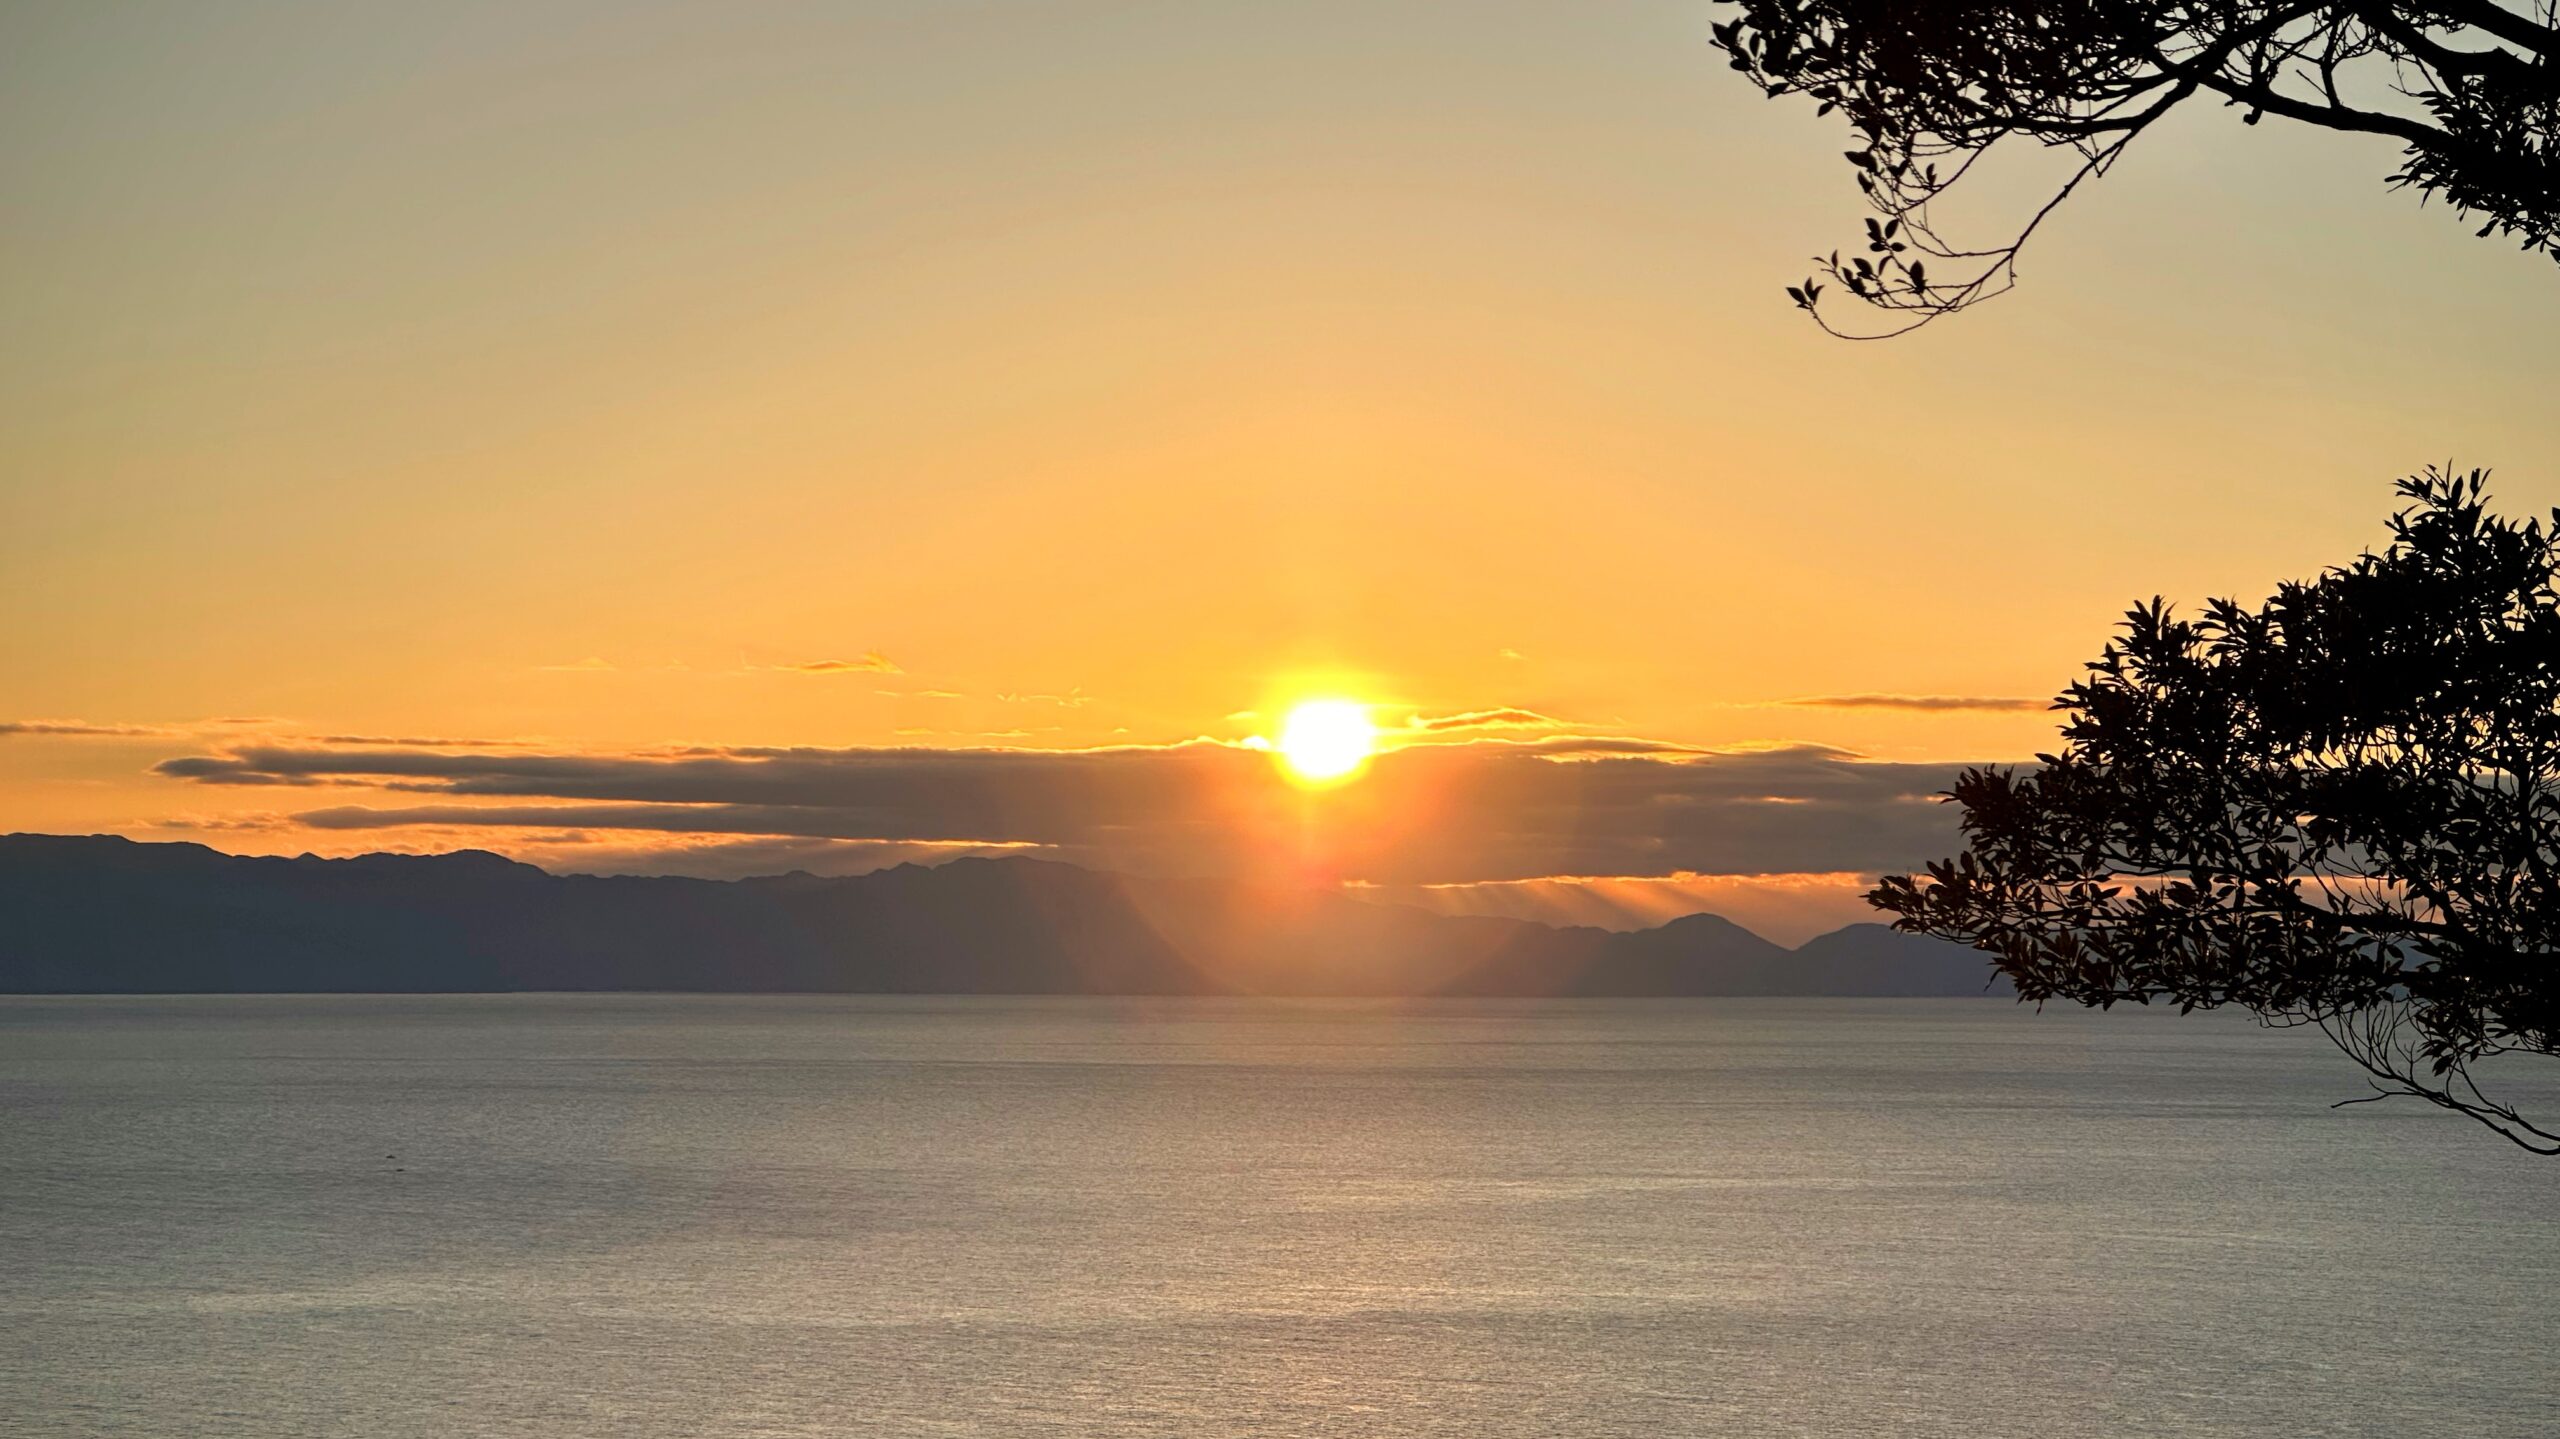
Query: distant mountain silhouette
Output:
(108,915)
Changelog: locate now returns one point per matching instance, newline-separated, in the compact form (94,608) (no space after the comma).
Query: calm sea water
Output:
(567,1216)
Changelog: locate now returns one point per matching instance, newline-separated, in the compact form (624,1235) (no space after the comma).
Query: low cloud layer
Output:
(872,663)
(1495,719)
(1922,703)
(82,729)
(1485,809)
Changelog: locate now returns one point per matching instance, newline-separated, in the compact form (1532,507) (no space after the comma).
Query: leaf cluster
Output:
(2470,89)
(2337,807)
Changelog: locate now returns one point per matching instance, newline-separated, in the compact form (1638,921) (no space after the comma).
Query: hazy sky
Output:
(1062,375)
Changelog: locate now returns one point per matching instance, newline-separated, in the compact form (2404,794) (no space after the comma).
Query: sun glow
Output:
(1323,741)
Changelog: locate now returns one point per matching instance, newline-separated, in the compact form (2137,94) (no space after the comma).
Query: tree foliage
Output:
(2340,808)
(2470,88)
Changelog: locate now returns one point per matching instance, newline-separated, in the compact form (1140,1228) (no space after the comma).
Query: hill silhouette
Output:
(107,915)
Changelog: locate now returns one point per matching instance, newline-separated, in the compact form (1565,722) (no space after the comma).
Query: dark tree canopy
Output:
(2341,808)
(2470,89)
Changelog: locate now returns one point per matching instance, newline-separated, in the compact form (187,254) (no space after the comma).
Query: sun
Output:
(1326,740)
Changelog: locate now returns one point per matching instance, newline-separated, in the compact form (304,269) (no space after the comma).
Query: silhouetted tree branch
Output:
(2341,809)
(2470,88)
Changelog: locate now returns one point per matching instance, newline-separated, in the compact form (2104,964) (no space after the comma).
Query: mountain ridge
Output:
(105,914)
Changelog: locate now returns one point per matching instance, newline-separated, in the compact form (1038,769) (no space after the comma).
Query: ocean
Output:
(711,1216)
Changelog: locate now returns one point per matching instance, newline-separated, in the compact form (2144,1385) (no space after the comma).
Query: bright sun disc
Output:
(1326,739)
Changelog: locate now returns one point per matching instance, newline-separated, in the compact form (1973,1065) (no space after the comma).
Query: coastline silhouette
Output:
(104,914)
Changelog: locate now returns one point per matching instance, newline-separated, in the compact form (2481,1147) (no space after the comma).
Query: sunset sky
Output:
(729,439)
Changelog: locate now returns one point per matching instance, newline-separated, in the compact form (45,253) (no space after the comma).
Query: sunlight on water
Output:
(688,1216)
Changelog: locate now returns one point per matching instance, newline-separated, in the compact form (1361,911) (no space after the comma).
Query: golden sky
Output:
(604,382)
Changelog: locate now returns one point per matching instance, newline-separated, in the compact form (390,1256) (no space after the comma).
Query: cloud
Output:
(82,729)
(1568,746)
(417,741)
(871,663)
(229,726)
(1462,811)
(1920,702)
(1492,719)
(228,824)
(732,858)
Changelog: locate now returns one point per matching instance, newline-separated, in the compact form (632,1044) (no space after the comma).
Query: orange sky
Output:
(588,378)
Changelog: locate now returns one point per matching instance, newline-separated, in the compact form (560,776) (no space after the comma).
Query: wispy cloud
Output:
(417,741)
(726,857)
(229,729)
(1919,702)
(228,824)
(870,662)
(1493,719)
(83,729)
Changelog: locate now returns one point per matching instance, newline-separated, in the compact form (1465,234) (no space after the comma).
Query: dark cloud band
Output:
(1429,814)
